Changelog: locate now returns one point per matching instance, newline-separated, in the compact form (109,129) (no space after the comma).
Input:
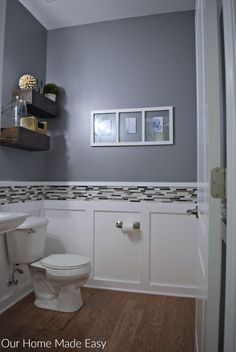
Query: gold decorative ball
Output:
(27,82)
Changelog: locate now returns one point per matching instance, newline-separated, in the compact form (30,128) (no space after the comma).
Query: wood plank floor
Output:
(127,322)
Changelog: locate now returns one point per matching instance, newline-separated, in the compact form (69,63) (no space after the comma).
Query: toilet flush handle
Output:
(193,212)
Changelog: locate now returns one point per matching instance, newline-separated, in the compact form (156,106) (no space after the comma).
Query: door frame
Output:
(229,15)
(209,130)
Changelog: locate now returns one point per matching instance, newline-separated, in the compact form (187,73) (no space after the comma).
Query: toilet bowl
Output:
(57,278)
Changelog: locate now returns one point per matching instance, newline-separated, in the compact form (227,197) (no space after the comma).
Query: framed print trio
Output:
(129,127)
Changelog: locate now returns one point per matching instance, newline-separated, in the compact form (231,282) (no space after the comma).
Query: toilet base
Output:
(59,289)
(69,300)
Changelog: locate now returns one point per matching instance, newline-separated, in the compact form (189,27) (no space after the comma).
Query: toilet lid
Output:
(64,261)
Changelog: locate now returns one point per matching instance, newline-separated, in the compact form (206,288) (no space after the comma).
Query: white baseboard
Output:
(196,349)
(11,299)
(175,291)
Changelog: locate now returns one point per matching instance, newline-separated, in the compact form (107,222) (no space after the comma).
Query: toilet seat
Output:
(65,261)
(64,266)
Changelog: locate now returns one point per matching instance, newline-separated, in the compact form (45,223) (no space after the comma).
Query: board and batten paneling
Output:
(173,255)
(116,254)
(159,258)
(69,231)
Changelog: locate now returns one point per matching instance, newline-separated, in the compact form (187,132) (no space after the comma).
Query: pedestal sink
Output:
(10,221)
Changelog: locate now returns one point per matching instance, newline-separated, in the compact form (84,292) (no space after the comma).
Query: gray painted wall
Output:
(24,52)
(139,62)
(3,6)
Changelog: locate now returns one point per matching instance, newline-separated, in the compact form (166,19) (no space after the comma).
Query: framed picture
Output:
(129,127)
(159,126)
(104,128)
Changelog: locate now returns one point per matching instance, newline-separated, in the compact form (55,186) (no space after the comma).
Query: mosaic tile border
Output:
(16,194)
(132,194)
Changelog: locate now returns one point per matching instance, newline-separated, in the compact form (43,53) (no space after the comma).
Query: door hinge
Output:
(218,183)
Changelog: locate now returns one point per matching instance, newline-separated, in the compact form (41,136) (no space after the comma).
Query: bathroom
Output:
(133,204)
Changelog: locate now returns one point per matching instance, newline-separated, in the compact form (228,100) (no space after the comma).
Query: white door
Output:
(209,157)
(202,176)
(229,12)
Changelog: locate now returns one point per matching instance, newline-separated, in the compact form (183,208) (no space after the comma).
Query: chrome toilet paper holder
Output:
(136,224)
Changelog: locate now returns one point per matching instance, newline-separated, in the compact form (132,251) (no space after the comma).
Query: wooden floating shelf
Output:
(22,138)
(37,104)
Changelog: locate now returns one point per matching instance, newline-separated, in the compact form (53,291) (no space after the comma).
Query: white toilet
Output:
(57,278)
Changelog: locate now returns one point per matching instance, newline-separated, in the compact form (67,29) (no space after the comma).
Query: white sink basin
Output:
(10,221)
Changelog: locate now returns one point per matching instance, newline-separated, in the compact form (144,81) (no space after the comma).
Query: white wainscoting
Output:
(173,256)
(117,255)
(10,295)
(161,258)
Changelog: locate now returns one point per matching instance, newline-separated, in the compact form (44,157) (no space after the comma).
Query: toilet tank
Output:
(26,244)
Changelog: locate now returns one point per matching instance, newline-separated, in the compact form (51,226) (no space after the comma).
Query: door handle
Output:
(193,212)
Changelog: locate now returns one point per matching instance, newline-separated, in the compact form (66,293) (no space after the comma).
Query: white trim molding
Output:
(229,13)
(14,297)
(98,183)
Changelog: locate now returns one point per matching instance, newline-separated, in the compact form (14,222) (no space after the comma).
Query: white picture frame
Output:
(161,114)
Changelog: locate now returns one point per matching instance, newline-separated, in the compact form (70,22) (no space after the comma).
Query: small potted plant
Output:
(51,91)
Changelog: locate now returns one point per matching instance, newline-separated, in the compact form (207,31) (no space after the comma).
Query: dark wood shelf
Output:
(22,138)
(38,104)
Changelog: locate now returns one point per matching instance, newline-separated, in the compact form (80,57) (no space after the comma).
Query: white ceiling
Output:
(64,13)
